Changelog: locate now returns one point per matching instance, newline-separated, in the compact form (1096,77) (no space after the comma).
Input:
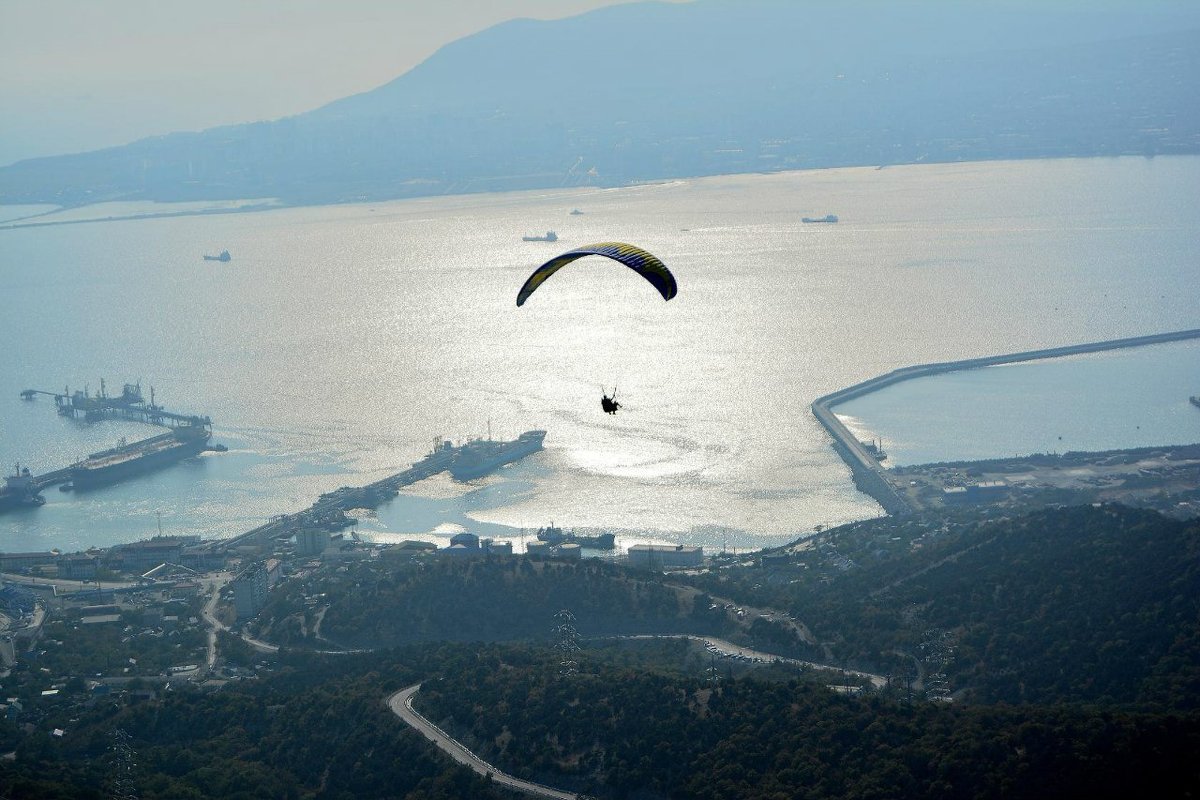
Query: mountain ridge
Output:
(650,91)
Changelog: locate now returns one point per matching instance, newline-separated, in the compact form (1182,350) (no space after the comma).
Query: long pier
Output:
(870,476)
(330,509)
(97,406)
(128,405)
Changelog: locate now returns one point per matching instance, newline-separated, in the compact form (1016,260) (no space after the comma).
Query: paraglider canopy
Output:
(640,261)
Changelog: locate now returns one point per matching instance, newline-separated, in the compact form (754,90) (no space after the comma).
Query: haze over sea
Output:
(340,340)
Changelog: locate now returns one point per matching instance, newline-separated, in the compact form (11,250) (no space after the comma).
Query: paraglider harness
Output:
(610,404)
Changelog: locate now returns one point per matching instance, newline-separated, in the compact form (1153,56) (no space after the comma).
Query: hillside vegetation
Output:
(1089,604)
(317,729)
(1051,654)
(482,600)
(618,733)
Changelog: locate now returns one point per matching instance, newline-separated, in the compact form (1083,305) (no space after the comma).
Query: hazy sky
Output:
(82,74)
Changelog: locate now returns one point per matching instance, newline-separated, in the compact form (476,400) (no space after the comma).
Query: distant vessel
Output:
(875,448)
(123,461)
(223,257)
(552,535)
(575,212)
(481,456)
(550,236)
(1195,401)
(20,491)
(826,218)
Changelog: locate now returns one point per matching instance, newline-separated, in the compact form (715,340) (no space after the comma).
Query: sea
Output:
(341,340)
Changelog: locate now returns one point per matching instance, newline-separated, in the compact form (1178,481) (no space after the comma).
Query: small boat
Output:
(223,257)
(575,212)
(550,236)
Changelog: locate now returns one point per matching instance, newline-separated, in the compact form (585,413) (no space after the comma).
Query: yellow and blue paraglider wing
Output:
(643,263)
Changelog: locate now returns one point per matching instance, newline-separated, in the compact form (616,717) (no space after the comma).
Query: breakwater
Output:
(870,476)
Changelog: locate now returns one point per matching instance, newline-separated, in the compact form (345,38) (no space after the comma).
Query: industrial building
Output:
(974,492)
(468,544)
(665,556)
(311,541)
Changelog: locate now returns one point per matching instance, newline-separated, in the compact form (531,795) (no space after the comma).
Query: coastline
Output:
(870,476)
(465,190)
(20,222)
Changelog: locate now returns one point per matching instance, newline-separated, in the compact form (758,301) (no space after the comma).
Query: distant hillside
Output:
(650,91)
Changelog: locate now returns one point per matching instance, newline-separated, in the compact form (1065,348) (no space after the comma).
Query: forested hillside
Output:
(488,600)
(318,728)
(620,733)
(1053,654)
(1093,604)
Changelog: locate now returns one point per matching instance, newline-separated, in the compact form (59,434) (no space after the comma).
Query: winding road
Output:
(730,649)
(401,705)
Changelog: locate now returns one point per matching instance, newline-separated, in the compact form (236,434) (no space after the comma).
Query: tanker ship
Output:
(123,461)
(20,491)
(478,457)
(554,535)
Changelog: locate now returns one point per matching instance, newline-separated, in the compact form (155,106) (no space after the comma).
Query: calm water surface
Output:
(1099,401)
(341,340)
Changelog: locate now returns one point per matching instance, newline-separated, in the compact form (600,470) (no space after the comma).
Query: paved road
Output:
(210,617)
(214,624)
(729,649)
(63,585)
(401,705)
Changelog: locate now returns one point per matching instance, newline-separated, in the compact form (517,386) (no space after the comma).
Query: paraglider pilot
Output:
(610,404)
(640,261)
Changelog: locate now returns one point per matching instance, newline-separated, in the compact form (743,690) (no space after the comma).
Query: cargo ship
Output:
(123,461)
(550,236)
(552,535)
(20,491)
(827,218)
(478,457)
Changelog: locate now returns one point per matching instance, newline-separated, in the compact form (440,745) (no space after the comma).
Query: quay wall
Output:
(869,474)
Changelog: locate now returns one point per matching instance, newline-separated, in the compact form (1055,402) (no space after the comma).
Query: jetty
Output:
(129,404)
(136,456)
(329,512)
(870,476)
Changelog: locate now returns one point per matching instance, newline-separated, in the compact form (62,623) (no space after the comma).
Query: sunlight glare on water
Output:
(341,340)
